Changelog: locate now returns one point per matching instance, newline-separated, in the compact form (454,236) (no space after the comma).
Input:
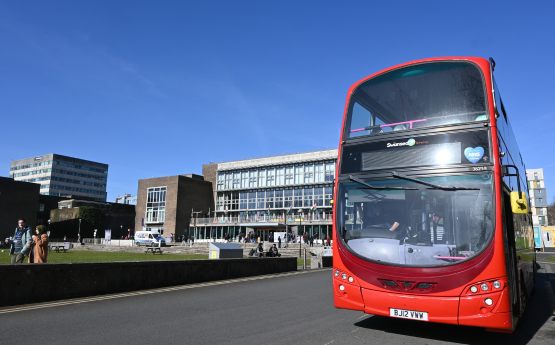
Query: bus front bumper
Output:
(467,310)
(463,310)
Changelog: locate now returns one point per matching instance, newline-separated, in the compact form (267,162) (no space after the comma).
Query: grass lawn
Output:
(300,262)
(74,256)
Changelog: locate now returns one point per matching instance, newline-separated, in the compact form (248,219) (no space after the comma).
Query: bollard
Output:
(304,261)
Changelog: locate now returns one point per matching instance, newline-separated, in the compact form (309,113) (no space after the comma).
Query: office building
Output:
(126,199)
(538,196)
(271,194)
(165,204)
(63,176)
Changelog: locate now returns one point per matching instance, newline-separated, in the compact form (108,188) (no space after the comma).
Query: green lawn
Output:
(74,256)
(300,262)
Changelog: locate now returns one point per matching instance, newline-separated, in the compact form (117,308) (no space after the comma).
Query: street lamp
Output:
(301,214)
(286,226)
(195,216)
(79,232)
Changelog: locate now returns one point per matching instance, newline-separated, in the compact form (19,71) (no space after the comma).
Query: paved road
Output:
(289,309)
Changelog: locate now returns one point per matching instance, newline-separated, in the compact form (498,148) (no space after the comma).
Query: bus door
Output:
(510,250)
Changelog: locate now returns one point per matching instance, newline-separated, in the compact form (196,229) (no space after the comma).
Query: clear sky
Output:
(156,88)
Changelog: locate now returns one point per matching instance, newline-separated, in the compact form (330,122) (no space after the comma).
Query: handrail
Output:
(261,219)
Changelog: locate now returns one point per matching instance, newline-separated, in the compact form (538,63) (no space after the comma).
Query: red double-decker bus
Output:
(431,221)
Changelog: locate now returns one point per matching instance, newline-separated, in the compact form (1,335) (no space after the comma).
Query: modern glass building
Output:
(63,176)
(271,194)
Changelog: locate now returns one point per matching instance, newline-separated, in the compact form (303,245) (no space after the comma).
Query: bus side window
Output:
(499,107)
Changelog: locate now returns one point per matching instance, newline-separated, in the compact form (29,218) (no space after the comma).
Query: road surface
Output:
(284,309)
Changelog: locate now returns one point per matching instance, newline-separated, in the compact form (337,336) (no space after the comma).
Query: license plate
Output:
(408,314)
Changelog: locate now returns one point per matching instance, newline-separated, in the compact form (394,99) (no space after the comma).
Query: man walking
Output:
(21,242)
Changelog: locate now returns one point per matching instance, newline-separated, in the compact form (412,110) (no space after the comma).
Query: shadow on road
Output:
(540,310)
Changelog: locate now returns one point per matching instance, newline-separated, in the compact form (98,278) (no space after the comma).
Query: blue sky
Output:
(157,88)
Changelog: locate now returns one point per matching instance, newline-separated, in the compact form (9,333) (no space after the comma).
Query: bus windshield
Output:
(407,223)
(423,95)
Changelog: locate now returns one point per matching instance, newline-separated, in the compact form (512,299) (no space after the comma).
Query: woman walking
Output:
(40,249)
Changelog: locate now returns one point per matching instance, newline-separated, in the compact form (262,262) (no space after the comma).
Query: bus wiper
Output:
(431,185)
(369,186)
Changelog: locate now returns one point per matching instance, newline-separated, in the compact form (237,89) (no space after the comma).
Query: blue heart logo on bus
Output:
(474,154)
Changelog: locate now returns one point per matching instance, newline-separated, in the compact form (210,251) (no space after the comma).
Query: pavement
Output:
(292,308)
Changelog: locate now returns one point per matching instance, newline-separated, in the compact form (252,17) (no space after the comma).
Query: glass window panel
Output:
(253,175)
(270,177)
(280,176)
(270,199)
(330,171)
(260,199)
(308,197)
(298,197)
(252,200)
(299,174)
(244,179)
(262,178)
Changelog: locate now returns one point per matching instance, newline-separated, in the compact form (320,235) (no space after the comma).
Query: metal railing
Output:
(291,220)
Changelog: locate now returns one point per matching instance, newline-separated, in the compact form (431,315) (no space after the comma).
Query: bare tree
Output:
(551,213)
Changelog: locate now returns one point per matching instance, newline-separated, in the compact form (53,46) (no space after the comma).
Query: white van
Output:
(149,238)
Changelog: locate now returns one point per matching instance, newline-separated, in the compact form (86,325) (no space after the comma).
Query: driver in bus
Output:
(382,223)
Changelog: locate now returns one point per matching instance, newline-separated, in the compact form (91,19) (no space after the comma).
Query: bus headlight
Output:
(344,276)
(351,279)
(484,287)
(497,284)
(473,289)
(337,273)
(342,288)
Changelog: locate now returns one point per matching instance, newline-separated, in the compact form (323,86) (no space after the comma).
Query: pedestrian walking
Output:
(279,241)
(40,248)
(21,242)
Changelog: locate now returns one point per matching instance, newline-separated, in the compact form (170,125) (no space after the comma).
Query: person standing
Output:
(279,241)
(40,249)
(21,242)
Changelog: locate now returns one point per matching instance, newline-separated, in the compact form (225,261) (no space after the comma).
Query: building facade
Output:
(165,204)
(538,196)
(78,219)
(17,200)
(127,199)
(63,176)
(273,194)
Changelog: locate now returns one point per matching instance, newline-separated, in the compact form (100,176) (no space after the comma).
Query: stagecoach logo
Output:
(410,142)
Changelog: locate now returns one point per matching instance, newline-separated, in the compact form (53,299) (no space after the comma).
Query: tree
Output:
(551,213)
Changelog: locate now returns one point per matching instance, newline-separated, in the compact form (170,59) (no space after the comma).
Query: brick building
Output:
(17,200)
(165,204)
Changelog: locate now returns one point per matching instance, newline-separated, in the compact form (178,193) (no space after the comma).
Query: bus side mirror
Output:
(519,205)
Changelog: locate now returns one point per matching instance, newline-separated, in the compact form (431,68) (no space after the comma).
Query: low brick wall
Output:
(22,284)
